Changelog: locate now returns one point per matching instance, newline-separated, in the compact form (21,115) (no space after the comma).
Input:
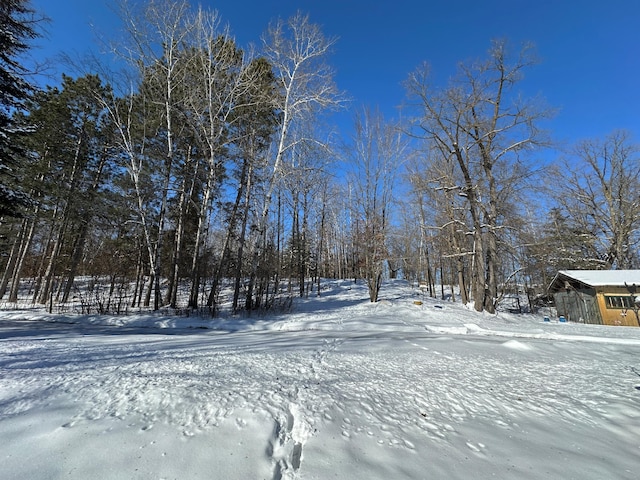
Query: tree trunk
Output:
(76,257)
(185,195)
(139,286)
(16,248)
(22,255)
(81,238)
(242,241)
(226,249)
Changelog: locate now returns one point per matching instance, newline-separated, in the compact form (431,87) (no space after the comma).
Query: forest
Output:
(205,176)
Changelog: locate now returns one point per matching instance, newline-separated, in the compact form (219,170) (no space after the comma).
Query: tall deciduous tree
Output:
(442,214)
(224,90)
(304,178)
(157,34)
(481,125)
(297,50)
(373,159)
(598,192)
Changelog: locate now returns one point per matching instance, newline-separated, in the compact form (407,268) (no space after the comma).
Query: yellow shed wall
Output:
(615,316)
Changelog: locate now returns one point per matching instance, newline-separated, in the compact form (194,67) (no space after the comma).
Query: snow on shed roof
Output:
(602,278)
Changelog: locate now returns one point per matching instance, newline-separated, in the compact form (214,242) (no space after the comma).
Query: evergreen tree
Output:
(16,29)
(69,160)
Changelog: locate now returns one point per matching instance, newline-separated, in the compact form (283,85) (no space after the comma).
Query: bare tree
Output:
(486,130)
(435,182)
(598,193)
(373,159)
(222,85)
(297,51)
(304,176)
(156,37)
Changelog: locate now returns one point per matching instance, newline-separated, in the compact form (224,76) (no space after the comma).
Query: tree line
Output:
(206,174)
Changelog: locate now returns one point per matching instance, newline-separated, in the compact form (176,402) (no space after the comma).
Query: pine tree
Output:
(16,29)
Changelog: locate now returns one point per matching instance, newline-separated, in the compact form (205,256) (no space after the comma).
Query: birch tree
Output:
(156,40)
(297,51)
(227,93)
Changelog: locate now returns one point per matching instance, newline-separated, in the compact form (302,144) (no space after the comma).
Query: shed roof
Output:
(601,278)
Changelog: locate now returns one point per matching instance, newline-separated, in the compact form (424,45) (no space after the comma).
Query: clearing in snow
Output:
(339,388)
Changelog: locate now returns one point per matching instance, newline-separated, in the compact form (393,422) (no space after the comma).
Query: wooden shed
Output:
(602,297)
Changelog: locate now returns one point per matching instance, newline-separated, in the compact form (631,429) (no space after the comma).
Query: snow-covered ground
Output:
(340,388)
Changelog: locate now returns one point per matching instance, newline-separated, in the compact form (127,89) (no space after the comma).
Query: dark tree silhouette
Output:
(17,27)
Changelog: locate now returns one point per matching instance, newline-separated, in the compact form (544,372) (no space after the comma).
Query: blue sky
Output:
(589,49)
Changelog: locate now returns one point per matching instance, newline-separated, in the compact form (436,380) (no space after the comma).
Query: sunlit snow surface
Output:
(340,388)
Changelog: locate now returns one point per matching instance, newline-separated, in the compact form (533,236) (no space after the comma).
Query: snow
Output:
(339,388)
(604,278)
